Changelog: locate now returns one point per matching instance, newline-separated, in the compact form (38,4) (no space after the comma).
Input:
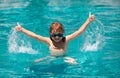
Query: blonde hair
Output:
(56,27)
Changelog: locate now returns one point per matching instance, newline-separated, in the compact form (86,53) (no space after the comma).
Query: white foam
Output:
(89,46)
(18,24)
(89,14)
(14,47)
(94,37)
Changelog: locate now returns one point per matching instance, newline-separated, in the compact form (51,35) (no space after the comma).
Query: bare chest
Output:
(58,46)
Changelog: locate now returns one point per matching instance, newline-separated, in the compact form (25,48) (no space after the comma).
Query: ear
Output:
(50,33)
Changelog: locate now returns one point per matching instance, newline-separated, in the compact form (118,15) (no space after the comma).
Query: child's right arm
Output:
(31,34)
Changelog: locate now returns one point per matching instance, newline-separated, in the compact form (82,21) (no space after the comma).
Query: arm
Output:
(81,29)
(31,34)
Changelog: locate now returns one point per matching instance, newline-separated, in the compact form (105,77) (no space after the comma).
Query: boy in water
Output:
(57,42)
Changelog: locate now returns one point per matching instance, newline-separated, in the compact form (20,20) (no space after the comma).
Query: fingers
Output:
(91,17)
(18,27)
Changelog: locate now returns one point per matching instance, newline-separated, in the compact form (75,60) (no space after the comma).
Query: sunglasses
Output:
(59,35)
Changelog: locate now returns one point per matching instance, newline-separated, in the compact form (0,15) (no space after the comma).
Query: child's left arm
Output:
(81,29)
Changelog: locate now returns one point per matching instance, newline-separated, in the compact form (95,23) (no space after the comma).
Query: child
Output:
(57,42)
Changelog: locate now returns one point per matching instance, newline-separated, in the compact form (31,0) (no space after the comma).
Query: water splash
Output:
(14,47)
(92,46)
(94,37)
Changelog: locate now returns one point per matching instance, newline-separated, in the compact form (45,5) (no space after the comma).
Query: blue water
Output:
(96,50)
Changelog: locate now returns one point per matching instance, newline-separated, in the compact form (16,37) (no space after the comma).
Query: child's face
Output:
(57,36)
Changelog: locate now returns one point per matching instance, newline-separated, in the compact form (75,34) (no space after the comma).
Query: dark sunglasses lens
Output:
(60,35)
(54,35)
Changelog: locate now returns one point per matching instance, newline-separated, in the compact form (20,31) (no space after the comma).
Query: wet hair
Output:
(57,27)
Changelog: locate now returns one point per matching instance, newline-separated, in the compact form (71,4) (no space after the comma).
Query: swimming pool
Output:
(96,50)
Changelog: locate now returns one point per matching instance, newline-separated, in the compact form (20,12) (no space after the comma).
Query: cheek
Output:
(60,38)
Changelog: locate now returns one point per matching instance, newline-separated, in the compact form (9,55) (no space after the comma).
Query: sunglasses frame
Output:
(59,35)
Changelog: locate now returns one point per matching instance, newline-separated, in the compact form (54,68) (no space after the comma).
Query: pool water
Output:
(96,50)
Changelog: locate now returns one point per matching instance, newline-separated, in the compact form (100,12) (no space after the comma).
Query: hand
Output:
(18,27)
(91,18)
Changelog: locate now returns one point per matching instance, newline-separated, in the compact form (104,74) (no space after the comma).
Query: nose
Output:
(56,37)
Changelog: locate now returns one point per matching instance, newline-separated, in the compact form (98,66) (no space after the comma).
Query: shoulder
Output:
(68,37)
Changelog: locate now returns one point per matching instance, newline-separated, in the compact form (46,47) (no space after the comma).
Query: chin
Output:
(57,40)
